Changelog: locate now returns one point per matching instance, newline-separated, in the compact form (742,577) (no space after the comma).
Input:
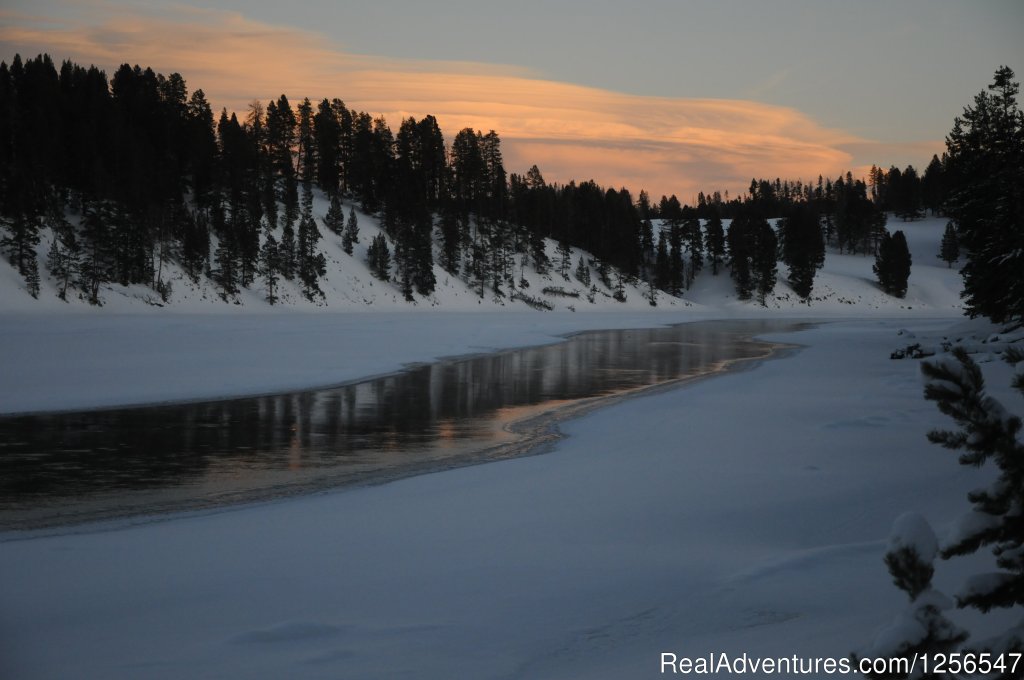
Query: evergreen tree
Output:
(19,242)
(62,259)
(423,255)
(225,266)
(987,433)
(335,218)
(351,233)
(949,250)
(288,252)
(564,259)
(803,247)
(311,263)
(739,239)
(450,251)
(892,264)
(694,239)
(583,272)
(662,273)
(933,191)
(921,628)
(270,267)
(378,257)
(985,179)
(715,240)
(32,277)
(764,261)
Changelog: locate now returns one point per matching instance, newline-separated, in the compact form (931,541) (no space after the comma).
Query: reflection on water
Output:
(72,467)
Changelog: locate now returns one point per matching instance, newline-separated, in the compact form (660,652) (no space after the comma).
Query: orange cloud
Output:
(663,144)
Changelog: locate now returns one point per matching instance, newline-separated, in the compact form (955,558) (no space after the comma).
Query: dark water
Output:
(72,467)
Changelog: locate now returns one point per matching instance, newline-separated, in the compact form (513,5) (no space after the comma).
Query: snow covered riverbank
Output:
(658,525)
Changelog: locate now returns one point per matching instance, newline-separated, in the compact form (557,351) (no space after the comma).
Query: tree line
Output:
(153,176)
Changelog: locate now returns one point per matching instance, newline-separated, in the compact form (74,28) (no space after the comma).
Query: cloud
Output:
(666,145)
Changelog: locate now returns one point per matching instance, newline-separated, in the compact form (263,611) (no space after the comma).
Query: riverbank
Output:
(742,514)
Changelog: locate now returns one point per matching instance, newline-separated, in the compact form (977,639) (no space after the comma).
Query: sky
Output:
(670,96)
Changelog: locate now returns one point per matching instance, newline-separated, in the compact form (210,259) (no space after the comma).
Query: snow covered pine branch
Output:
(986,432)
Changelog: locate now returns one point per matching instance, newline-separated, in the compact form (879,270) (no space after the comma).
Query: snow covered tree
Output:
(949,250)
(987,433)
(984,180)
(921,628)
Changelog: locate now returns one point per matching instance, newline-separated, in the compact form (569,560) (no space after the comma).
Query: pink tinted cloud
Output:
(667,145)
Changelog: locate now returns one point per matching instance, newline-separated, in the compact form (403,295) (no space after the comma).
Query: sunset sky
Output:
(670,96)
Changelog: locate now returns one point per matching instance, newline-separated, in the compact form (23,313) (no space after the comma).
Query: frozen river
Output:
(72,467)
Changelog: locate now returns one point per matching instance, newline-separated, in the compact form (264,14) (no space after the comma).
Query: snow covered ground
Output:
(748,513)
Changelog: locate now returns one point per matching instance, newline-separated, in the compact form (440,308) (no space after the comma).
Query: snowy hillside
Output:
(846,285)
(348,286)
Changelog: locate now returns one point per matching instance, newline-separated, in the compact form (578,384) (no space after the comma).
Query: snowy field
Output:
(659,524)
(747,513)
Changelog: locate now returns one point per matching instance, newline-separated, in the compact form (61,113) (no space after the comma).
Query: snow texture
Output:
(911,530)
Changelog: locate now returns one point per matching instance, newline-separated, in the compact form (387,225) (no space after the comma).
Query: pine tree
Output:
(803,247)
(987,434)
(225,264)
(715,240)
(694,239)
(270,267)
(311,263)
(985,180)
(676,267)
(450,250)
(949,250)
(423,255)
(740,242)
(921,628)
(62,259)
(564,259)
(335,218)
(764,261)
(351,233)
(20,242)
(378,257)
(32,276)
(288,251)
(583,272)
(662,275)
(892,264)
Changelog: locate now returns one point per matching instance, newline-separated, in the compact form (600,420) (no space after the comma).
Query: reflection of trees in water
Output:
(143,448)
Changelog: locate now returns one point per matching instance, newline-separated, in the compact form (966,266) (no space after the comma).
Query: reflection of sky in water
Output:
(62,467)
